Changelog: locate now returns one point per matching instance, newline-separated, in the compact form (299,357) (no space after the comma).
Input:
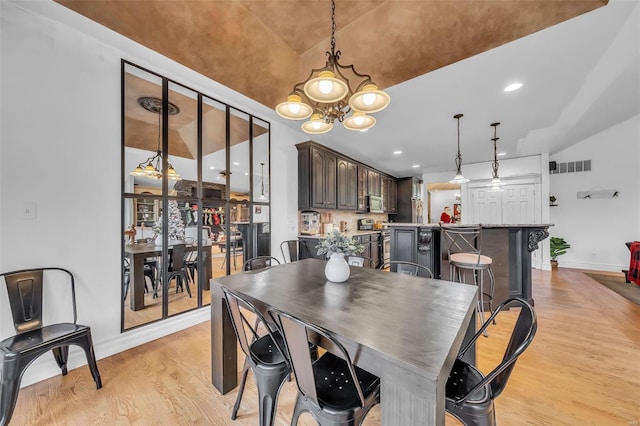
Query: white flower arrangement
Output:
(339,243)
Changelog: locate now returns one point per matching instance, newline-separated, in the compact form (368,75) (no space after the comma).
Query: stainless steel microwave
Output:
(375,204)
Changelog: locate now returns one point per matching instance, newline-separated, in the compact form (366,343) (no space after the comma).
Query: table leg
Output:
(402,407)
(136,288)
(206,266)
(224,347)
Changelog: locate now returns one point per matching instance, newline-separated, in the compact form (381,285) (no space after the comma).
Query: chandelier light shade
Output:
(317,125)
(152,166)
(459,178)
(496,183)
(327,95)
(359,121)
(294,109)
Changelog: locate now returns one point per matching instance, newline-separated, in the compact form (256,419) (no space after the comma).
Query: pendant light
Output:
(333,92)
(262,196)
(151,167)
(459,178)
(496,183)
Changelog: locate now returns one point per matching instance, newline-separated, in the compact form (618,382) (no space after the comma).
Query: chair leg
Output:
(268,389)
(87,345)
(297,411)
(243,381)
(186,283)
(61,354)
(9,389)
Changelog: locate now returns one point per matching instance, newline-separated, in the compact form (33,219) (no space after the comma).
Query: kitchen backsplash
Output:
(351,218)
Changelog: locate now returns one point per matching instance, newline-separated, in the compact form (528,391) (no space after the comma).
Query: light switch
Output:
(29,210)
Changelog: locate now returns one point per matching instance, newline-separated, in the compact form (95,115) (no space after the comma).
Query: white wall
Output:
(598,228)
(440,199)
(60,122)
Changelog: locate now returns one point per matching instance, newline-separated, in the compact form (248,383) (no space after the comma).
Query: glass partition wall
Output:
(195,192)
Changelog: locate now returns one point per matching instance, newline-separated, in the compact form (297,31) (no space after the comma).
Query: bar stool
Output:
(464,249)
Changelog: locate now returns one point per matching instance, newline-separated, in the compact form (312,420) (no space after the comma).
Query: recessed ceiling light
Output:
(211,168)
(500,154)
(246,174)
(235,163)
(398,152)
(415,166)
(512,87)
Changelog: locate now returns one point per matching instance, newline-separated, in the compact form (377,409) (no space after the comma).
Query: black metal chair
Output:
(407,268)
(33,338)
(330,388)
(470,394)
(178,269)
(289,249)
(260,262)
(464,253)
(360,261)
(264,356)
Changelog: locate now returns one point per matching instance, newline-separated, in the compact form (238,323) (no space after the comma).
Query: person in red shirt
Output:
(445,217)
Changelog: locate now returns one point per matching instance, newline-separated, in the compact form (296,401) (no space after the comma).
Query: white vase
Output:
(337,270)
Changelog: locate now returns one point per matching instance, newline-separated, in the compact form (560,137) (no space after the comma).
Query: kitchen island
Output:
(510,247)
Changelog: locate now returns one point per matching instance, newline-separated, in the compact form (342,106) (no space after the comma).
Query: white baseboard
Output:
(593,266)
(46,367)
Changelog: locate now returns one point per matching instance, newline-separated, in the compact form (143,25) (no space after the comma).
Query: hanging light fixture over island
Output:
(326,95)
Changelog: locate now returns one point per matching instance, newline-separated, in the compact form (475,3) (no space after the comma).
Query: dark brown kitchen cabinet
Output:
(317,170)
(373,183)
(393,196)
(363,176)
(375,250)
(347,177)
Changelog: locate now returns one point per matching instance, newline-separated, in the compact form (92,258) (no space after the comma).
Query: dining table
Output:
(139,252)
(406,330)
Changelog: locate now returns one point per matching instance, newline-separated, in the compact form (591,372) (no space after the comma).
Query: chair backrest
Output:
(463,240)
(240,322)
(260,262)
(522,335)
(25,290)
(289,249)
(296,333)
(408,268)
(177,257)
(360,261)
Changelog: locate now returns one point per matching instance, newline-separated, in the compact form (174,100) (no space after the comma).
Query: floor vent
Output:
(571,167)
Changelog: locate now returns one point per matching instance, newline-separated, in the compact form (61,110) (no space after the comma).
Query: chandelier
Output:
(326,95)
(496,183)
(151,167)
(459,178)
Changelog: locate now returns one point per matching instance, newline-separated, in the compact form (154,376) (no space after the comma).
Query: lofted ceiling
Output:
(576,59)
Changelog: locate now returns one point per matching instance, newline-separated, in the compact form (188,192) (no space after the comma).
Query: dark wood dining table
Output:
(406,330)
(137,254)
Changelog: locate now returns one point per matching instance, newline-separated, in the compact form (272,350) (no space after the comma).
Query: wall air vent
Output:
(569,167)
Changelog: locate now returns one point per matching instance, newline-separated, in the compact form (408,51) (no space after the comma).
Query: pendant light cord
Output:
(495,152)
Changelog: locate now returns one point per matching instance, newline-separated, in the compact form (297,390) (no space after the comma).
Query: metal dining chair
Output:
(469,394)
(264,356)
(407,268)
(33,338)
(289,250)
(331,388)
(260,262)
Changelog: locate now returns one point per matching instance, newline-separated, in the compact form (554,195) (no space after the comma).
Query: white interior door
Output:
(487,206)
(518,204)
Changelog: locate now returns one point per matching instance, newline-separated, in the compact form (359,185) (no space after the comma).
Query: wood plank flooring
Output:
(583,368)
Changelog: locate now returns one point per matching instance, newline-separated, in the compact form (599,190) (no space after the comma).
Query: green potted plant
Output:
(558,247)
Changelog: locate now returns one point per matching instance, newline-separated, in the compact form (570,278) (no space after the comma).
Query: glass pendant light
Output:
(459,178)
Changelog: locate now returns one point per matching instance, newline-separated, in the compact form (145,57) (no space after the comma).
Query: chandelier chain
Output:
(333,27)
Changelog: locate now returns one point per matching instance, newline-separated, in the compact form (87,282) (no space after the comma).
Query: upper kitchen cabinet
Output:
(317,170)
(374,184)
(389,194)
(363,176)
(347,185)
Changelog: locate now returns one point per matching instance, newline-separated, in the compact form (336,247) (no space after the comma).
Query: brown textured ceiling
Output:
(261,48)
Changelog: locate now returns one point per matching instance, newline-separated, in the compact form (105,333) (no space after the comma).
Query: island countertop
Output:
(349,234)
(465,225)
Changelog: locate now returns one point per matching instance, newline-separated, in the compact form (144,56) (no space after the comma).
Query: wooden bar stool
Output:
(464,249)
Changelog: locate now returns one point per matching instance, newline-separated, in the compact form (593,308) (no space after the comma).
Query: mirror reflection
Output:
(175,161)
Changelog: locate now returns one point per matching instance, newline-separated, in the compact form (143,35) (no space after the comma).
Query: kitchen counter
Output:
(350,234)
(509,245)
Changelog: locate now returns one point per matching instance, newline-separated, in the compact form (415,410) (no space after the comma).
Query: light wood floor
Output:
(583,368)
